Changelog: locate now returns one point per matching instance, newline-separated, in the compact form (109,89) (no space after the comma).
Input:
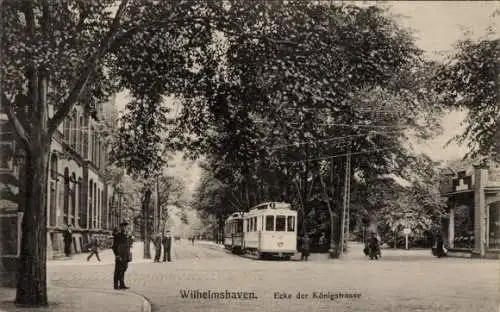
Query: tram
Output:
(268,229)
(233,233)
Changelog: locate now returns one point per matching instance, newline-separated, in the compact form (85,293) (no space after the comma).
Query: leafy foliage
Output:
(305,81)
(470,81)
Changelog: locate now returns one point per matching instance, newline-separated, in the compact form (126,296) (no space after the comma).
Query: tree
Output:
(62,53)
(284,92)
(470,81)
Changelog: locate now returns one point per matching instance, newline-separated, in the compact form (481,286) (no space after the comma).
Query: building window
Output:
(91,211)
(66,196)
(79,142)
(86,139)
(73,199)
(99,212)
(74,129)
(53,206)
(104,212)
(53,166)
(98,156)
(82,214)
(66,126)
(94,219)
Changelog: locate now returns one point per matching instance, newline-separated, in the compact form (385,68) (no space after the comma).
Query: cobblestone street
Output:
(400,281)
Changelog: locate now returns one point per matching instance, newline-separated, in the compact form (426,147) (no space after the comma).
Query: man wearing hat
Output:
(121,249)
(167,243)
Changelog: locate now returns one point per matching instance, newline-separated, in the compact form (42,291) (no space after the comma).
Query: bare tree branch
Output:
(81,82)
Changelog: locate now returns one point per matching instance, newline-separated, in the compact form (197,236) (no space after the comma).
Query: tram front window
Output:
(269,223)
(291,223)
(280,223)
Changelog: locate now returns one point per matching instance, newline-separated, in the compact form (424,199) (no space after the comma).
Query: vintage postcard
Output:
(249,155)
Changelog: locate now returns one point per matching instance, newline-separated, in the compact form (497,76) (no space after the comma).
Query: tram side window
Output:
(280,223)
(291,223)
(269,223)
(255,224)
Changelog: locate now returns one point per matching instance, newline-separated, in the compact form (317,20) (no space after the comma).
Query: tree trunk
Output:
(32,282)
(145,210)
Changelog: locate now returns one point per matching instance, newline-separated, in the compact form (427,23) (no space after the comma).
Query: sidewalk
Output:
(80,300)
(107,257)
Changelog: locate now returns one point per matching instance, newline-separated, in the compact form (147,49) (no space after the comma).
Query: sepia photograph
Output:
(249,155)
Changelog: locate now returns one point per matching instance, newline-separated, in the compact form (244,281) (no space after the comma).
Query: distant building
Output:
(472,227)
(77,191)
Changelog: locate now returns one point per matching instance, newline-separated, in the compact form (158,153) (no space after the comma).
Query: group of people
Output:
(163,240)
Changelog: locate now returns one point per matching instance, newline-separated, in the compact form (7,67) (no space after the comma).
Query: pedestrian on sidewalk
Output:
(94,247)
(167,244)
(306,245)
(121,250)
(157,240)
(68,239)
(192,239)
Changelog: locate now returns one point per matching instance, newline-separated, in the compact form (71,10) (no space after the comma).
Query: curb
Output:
(145,306)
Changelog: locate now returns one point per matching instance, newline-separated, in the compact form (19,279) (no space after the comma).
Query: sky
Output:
(437,25)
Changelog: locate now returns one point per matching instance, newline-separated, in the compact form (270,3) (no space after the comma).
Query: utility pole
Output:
(156,218)
(344,227)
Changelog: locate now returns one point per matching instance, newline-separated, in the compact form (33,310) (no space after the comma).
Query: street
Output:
(400,281)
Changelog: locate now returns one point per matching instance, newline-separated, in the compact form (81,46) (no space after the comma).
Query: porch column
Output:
(481,178)
(451,227)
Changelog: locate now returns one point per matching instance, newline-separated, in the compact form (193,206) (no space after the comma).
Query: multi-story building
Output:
(77,190)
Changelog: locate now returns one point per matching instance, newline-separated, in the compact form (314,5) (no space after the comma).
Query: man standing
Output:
(305,248)
(121,249)
(94,248)
(167,244)
(68,239)
(157,242)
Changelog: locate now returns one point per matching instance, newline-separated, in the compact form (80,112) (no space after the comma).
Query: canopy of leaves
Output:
(471,81)
(305,80)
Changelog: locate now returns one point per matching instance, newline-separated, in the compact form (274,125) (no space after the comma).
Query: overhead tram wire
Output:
(338,155)
(333,139)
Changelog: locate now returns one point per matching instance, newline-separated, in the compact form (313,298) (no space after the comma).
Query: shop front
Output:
(472,227)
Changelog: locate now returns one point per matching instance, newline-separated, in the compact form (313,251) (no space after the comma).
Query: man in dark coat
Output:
(373,242)
(157,242)
(305,248)
(167,244)
(440,252)
(68,240)
(121,249)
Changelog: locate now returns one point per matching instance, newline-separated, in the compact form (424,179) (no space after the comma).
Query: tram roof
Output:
(272,205)
(235,215)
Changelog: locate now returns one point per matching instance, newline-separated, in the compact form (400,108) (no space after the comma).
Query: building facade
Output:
(78,194)
(472,226)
